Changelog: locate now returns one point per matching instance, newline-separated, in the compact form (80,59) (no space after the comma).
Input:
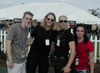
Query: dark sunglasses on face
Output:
(61,21)
(50,19)
(28,19)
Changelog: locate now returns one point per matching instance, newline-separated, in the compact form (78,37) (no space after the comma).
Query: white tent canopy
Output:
(41,9)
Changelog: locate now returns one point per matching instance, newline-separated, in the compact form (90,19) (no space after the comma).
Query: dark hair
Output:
(29,13)
(85,33)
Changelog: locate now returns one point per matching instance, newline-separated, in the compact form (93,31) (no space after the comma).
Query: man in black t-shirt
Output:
(64,42)
(43,36)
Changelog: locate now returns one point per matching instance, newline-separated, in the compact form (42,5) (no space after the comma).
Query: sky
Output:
(82,4)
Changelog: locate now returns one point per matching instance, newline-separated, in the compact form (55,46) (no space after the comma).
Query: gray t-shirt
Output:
(18,36)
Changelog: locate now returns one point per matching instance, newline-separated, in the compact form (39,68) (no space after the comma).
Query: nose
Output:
(80,32)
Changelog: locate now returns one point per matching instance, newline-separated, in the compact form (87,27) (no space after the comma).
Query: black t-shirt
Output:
(65,37)
(38,47)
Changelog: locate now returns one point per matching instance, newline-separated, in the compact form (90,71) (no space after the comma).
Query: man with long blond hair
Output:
(43,35)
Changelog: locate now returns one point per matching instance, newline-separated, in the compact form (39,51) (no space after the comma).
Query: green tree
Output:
(95,12)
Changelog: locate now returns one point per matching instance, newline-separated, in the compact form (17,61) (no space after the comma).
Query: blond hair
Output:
(44,25)
(59,27)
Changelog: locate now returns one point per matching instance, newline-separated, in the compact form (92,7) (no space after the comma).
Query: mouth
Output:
(49,23)
(28,24)
(63,25)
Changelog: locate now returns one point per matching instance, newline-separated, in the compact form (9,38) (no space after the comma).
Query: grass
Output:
(3,69)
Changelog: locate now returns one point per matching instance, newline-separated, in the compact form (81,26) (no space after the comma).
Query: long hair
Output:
(85,33)
(44,25)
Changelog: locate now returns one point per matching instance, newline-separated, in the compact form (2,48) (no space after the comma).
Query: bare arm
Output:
(71,58)
(52,47)
(73,52)
(29,41)
(91,59)
(9,53)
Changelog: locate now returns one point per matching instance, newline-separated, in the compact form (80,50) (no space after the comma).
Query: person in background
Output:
(34,24)
(2,54)
(64,42)
(43,35)
(7,25)
(16,44)
(84,51)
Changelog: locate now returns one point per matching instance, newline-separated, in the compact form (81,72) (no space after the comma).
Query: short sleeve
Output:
(34,31)
(90,46)
(70,36)
(11,32)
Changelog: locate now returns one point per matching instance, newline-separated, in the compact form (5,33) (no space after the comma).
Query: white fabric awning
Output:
(41,9)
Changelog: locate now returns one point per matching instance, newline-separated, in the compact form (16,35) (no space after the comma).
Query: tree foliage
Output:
(95,12)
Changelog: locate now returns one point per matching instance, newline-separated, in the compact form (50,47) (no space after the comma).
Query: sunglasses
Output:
(50,19)
(61,21)
(28,19)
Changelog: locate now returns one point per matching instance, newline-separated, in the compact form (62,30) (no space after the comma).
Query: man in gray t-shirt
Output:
(16,44)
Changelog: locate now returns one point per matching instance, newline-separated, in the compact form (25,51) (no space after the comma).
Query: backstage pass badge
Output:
(47,42)
(22,54)
(58,42)
(76,61)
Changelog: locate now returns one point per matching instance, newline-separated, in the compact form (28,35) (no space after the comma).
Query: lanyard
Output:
(78,50)
(59,36)
(48,35)
(23,41)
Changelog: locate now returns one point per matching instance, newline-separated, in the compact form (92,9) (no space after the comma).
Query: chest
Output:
(63,37)
(44,34)
(21,35)
(82,49)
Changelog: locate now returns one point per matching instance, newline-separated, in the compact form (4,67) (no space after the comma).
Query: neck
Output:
(80,39)
(48,28)
(63,29)
(23,26)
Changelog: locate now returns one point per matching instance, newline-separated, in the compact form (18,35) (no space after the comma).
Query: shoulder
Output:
(68,31)
(16,25)
(90,43)
(90,46)
(13,26)
(38,27)
(55,32)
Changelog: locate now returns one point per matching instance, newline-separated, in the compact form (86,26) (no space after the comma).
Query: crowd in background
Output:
(92,29)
